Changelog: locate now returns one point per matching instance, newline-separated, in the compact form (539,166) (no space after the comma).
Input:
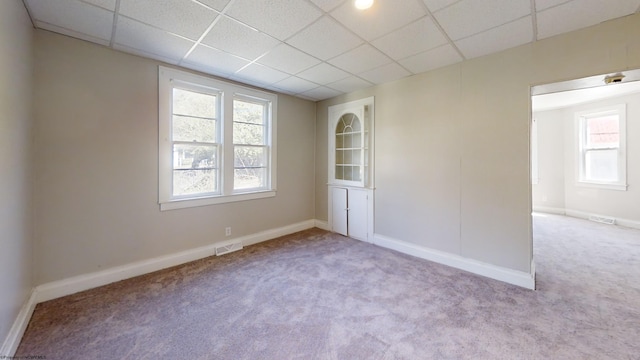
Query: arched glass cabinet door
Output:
(349,148)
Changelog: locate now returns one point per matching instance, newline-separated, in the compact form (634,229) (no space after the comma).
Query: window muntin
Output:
(216,141)
(601,147)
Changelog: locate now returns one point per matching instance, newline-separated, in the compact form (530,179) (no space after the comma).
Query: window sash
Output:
(182,184)
(597,171)
(240,184)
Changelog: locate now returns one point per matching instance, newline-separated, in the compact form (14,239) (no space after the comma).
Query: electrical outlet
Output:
(227,231)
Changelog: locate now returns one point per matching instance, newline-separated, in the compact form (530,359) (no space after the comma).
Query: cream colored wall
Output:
(97,152)
(558,137)
(549,191)
(16,258)
(452,145)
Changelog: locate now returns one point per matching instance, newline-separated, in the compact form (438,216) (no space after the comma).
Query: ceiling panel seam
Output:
(116,14)
(207,30)
(534,20)
(493,28)
(441,29)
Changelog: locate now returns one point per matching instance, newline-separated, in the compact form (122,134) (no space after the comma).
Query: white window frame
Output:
(581,149)
(168,79)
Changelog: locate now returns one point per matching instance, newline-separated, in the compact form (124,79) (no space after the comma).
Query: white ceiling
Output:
(316,49)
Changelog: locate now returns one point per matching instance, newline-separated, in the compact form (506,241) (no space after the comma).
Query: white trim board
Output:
(549,210)
(72,285)
(324,225)
(514,277)
(18,328)
(586,215)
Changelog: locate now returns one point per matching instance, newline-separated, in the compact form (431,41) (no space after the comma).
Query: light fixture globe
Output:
(363,4)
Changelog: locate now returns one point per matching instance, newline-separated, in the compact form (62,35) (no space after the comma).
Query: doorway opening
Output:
(584,157)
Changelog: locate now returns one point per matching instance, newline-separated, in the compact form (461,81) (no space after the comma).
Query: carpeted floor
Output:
(317,295)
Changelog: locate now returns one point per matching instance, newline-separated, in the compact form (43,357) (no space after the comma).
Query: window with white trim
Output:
(216,141)
(602,147)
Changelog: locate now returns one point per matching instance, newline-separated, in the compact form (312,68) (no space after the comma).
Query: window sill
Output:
(618,187)
(195,202)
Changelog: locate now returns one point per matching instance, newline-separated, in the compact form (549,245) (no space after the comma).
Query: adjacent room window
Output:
(602,147)
(217,141)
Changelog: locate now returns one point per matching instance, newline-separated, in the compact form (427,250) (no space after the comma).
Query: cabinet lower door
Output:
(357,214)
(339,211)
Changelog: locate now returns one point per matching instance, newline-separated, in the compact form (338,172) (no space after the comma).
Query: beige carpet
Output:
(317,295)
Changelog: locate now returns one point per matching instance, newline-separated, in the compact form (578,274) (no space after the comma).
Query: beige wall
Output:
(16,260)
(557,135)
(97,148)
(452,145)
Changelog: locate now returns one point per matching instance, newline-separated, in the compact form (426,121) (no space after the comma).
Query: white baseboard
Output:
(619,221)
(586,215)
(519,278)
(628,223)
(549,210)
(79,283)
(324,225)
(12,340)
(581,214)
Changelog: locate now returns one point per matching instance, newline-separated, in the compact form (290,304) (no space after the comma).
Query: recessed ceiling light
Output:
(363,4)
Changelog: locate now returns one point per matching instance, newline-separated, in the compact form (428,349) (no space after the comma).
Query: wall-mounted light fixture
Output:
(363,4)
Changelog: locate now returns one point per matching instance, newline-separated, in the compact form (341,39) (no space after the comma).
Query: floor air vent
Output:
(225,249)
(603,220)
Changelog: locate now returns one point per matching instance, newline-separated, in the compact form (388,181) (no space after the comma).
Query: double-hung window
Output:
(216,141)
(602,147)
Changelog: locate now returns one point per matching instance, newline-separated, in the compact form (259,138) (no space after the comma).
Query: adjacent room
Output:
(325,179)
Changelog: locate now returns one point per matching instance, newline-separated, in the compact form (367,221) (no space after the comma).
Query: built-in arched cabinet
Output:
(351,168)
